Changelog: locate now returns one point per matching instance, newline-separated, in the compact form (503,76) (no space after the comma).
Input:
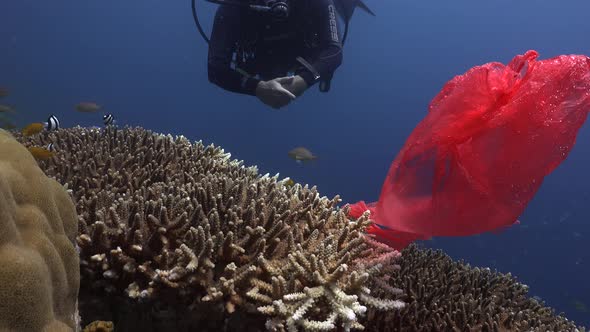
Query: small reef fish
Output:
(33,128)
(301,154)
(41,153)
(4,92)
(37,127)
(289,183)
(50,147)
(108,119)
(87,107)
(580,306)
(6,109)
(52,123)
(5,124)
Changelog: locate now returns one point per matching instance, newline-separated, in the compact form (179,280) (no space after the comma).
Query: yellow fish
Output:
(289,183)
(33,128)
(41,153)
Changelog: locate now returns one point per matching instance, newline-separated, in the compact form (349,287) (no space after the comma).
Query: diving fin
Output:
(346,8)
(364,7)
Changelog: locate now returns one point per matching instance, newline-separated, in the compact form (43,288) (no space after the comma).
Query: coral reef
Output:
(176,236)
(180,225)
(39,278)
(99,326)
(446,295)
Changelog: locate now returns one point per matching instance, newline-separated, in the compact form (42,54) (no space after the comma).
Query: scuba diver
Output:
(276,49)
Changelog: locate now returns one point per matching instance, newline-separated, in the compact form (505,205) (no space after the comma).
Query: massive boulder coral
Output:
(180,225)
(39,274)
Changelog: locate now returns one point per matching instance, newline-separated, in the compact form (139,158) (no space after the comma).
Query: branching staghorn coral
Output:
(444,295)
(173,225)
(325,263)
(168,222)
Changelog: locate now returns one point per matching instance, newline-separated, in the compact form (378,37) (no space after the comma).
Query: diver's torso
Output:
(273,45)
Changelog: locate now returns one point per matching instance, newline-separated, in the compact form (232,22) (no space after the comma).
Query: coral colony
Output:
(177,236)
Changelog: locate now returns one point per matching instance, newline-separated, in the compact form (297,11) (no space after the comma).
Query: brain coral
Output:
(39,274)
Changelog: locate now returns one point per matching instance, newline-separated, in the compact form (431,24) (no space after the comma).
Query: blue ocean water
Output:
(145,63)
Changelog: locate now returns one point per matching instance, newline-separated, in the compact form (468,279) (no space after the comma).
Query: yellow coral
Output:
(39,266)
(99,326)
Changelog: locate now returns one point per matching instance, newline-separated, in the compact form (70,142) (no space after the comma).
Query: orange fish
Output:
(4,92)
(41,153)
(87,107)
(33,128)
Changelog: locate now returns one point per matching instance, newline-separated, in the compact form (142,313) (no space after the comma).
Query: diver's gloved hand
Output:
(296,84)
(273,94)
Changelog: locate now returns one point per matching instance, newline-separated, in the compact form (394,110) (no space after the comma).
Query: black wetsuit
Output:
(268,49)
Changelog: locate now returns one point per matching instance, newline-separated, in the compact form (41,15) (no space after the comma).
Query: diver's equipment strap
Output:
(248,81)
(324,83)
(243,72)
(197,23)
(309,67)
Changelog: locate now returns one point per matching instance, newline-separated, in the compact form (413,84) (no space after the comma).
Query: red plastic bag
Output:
(479,156)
